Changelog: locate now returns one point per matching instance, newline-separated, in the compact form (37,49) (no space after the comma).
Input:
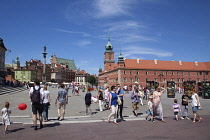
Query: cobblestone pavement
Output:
(78,125)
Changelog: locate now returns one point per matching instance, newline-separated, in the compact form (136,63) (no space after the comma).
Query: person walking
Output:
(184,108)
(114,105)
(195,105)
(176,109)
(73,88)
(6,111)
(46,103)
(62,98)
(149,109)
(120,94)
(100,99)
(135,100)
(157,105)
(88,97)
(36,94)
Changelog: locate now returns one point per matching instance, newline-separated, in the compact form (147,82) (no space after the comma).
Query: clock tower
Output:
(108,56)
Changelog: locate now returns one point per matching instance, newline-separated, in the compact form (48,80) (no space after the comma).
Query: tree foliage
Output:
(92,80)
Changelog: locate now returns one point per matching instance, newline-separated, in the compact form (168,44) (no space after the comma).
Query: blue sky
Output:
(78,29)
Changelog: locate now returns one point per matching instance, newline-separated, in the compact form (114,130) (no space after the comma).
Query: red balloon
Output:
(22,106)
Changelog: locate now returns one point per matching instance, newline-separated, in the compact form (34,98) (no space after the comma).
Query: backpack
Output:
(35,97)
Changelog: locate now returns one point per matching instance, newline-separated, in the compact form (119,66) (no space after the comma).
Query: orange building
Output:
(128,71)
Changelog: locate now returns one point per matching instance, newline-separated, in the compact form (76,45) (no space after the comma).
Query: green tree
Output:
(92,80)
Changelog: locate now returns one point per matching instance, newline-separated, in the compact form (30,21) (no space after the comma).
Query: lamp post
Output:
(44,68)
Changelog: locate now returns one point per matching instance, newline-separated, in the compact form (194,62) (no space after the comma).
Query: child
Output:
(176,108)
(149,109)
(6,117)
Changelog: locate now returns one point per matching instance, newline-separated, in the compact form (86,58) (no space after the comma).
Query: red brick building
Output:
(128,71)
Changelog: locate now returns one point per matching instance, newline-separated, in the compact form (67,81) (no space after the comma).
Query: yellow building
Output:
(25,75)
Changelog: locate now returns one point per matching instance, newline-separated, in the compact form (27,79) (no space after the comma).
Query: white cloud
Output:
(110,8)
(72,32)
(83,42)
(135,51)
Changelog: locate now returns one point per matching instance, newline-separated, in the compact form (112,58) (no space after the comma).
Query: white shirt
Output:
(41,92)
(6,112)
(46,96)
(194,100)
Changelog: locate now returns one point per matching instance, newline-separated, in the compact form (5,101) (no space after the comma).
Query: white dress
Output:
(6,116)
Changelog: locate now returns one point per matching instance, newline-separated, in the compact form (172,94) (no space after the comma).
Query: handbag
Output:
(119,101)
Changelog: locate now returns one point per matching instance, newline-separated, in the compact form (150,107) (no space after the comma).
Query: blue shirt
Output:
(114,99)
(120,92)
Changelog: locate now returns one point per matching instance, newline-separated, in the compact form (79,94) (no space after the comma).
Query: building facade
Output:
(128,71)
(2,60)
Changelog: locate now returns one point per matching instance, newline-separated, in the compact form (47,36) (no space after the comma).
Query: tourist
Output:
(176,109)
(184,108)
(6,111)
(46,103)
(114,105)
(135,100)
(100,99)
(157,106)
(149,109)
(195,104)
(88,97)
(62,98)
(120,94)
(36,94)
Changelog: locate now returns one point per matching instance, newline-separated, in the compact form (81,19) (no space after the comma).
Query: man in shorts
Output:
(37,107)
(62,98)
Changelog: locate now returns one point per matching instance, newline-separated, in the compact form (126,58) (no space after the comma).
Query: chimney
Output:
(138,60)
(180,62)
(196,62)
(155,61)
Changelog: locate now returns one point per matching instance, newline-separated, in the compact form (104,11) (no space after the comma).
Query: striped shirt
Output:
(176,107)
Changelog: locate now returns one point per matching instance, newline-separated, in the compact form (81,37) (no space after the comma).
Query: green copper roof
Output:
(70,63)
(108,46)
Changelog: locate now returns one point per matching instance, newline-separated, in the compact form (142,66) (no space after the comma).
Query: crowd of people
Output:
(113,97)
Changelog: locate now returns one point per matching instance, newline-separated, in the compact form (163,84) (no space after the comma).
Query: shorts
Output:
(176,113)
(149,112)
(195,108)
(135,105)
(62,105)
(37,107)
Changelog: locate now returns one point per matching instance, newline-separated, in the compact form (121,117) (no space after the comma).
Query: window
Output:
(166,73)
(188,73)
(137,72)
(177,73)
(137,79)
(198,80)
(131,80)
(178,79)
(146,72)
(155,72)
(130,72)
(125,80)
(155,79)
(189,79)
(172,73)
(182,80)
(146,79)
(164,80)
(172,79)
(124,72)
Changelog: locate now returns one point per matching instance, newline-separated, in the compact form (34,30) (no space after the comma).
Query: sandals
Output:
(194,121)
(108,121)
(200,120)
(163,121)
(116,123)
